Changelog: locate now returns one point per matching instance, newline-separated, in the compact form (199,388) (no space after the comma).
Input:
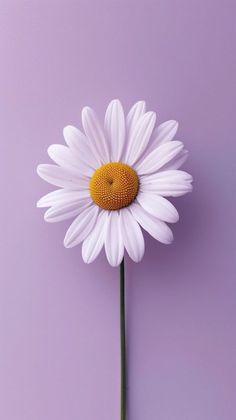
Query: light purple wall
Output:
(59,319)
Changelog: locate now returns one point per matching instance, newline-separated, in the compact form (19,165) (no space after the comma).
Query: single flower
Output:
(113,180)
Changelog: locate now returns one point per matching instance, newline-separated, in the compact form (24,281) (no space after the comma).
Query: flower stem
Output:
(122,344)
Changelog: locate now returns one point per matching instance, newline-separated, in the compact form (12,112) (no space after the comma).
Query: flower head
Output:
(113,180)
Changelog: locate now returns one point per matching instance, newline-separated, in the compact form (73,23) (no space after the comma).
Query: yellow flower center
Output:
(114,185)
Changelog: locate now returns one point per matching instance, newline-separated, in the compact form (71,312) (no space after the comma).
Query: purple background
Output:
(59,319)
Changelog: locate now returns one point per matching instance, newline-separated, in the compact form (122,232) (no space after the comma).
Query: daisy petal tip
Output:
(67,129)
(67,243)
(174,123)
(175,126)
(173,216)
(50,150)
(115,106)
(179,144)
(139,258)
(176,217)
(39,203)
(115,101)
(86,111)
(151,115)
(86,260)
(185,153)
(40,170)
(48,217)
(170,240)
(139,108)
(114,264)
(140,254)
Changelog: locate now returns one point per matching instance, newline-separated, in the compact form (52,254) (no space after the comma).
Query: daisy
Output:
(113,180)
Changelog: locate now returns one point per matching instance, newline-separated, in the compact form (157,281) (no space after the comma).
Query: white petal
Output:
(60,177)
(168,190)
(62,196)
(170,175)
(176,162)
(167,183)
(155,227)
(94,132)
(139,137)
(132,235)
(80,145)
(63,156)
(158,206)
(115,129)
(137,111)
(114,245)
(163,133)
(159,157)
(81,226)
(67,210)
(73,137)
(94,242)
(134,114)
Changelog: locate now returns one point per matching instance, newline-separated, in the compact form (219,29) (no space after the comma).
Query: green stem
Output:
(122,344)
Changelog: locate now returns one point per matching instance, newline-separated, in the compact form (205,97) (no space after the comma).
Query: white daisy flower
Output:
(113,180)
